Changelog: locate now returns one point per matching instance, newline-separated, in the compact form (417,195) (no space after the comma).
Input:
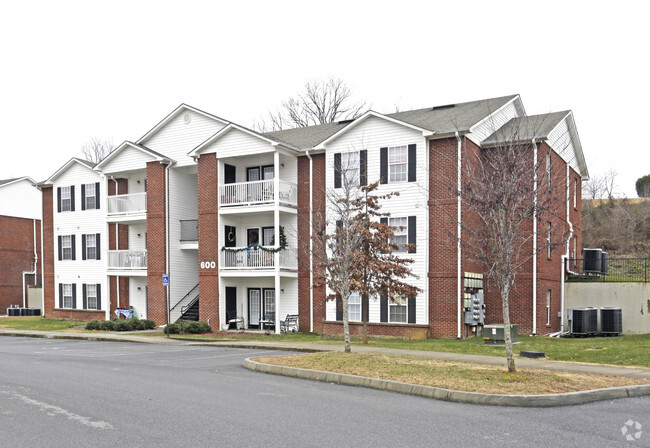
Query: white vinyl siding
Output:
(371,135)
(21,200)
(236,143)
(494,121)
(128,159)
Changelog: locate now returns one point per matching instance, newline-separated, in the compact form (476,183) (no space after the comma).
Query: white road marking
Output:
(53,410)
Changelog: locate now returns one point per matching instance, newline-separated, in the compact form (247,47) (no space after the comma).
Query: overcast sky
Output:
(73,70)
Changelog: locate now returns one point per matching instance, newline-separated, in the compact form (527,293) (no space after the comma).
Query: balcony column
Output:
(276,223)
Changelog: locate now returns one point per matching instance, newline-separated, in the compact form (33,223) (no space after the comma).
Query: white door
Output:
(254,307)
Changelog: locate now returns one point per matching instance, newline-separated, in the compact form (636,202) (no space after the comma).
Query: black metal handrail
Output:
(189,305)
(194,291)
(618,270)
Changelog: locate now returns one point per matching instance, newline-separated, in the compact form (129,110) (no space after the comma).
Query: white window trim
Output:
(405,163)
(351,305)
(66,191)
(91,237)
(88,296)
(64,246)
(63,290)
(350,166)
(399,230)
(91,188)
(393,305)
(548,307)
(548,239)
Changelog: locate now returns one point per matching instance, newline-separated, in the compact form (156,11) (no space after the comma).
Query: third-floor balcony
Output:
(260,192)
(127,207)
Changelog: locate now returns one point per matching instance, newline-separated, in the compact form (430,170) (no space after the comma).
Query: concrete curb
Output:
(551,400)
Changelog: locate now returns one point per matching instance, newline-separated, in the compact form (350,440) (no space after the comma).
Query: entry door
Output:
(231,303)
(267,172)
(269,304)
(254,307)
(229,174)
(253,174)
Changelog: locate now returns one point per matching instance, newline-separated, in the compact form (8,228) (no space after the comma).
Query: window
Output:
(91,297)
(67,295)
(354,307)
(400,232)
(350,167)
(575,193)
(90,191)
(91,248)
(66,247)
(398,309)
(548,239)
(397,163)
(548,307)
(66,199)
(548,169)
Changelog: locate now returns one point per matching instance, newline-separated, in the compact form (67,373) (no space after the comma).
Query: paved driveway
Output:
(86,393)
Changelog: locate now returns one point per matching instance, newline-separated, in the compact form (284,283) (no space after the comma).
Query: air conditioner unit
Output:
(583,321)
(592,261)
(611,320)
(496,334)
(604,263)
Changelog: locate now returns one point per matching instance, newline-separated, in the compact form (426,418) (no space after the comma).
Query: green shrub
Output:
(92,325)
(189,327)
(107,325)
(148,324)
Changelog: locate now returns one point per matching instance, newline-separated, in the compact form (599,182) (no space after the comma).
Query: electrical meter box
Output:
(495,333)
(474,309)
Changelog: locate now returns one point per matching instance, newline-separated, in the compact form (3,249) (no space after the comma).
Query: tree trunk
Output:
(346,322)
(365,303)
(505,297)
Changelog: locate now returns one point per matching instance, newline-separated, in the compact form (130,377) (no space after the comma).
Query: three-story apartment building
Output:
(228,214)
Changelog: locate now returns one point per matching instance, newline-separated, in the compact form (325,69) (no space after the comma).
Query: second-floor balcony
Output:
(125,207)
(127,262)
(258,192)
(255,258)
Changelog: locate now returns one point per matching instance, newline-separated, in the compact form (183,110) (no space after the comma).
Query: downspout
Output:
(535,237)
(117,247)
(167,305)
(311,243)
(458,230)
(566,255)
(42,260)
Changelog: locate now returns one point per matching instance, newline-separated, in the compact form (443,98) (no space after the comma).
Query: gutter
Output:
(535,166)
(311,242)
(459,228)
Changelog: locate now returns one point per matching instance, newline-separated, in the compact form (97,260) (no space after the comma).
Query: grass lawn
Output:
(632,350)
(39,323)
(451,375)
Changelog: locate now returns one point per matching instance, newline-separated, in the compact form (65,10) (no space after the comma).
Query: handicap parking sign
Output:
(165,279)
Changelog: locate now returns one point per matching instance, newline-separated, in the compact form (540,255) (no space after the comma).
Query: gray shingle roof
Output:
(6,181)
(442,119)
(526,128)
(453,117)
(307,137)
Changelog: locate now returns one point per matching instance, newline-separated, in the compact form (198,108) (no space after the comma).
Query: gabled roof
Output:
(307,137)
(5,182)
(75,160)
(180,109)
(127,144)
(453,117)
(524,129)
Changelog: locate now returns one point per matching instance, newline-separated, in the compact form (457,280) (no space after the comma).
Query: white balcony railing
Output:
(257,192)
(127,259)
(127,204)
(258,259)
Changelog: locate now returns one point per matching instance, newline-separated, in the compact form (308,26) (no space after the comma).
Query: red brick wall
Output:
(80,315)
(318,191)
(16,256)
(156,242)
(400,331)
(48,251)
(208,176)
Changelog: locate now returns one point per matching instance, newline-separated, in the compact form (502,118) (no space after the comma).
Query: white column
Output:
(276,224)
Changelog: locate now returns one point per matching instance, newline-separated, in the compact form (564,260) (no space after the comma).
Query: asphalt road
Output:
(65,393)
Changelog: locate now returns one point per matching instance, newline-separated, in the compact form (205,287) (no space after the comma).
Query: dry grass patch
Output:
(451,375)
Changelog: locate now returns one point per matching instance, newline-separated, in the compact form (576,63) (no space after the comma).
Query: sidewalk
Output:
(593,369)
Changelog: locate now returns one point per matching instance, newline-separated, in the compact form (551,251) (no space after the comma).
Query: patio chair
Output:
(289,324)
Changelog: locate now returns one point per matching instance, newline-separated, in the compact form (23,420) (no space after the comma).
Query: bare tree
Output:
(321,101)
(96,149)
(501,196)
(353,249)
(601,186)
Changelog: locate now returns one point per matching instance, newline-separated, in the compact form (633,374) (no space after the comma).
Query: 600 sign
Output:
(208,265)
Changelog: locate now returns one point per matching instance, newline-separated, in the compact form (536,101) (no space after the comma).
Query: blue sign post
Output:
(165,279)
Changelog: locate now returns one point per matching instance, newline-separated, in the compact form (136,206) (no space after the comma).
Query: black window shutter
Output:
(60,295)
(83,247)
(412,163)
(72,199)
(74,251)
(412,235)
(60,249)
(74,295)
(83,196)
(339,308)
(383,165)
(98,247)
(97,195)
(411,309)
(363,167)
(383,308)
(58,199)
(85,297)
(99,296)
(337,170)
